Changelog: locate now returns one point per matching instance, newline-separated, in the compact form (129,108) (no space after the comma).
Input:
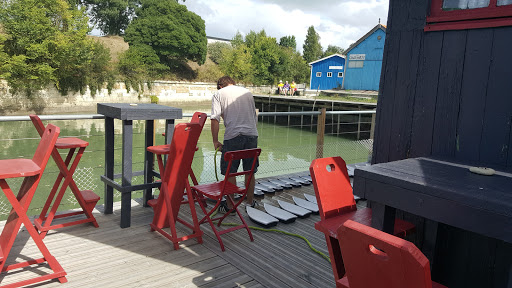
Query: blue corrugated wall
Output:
(367,77)
(324,82)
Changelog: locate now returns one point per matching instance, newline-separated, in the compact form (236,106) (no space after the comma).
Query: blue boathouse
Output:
(364,61)
(327,73)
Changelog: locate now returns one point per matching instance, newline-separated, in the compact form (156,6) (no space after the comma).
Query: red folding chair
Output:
(87,199)
(377,259)
(160,150)
(337,205)
(174,181)
(31,170)
(225,189)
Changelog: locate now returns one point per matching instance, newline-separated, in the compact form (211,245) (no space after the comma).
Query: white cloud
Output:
(339,24)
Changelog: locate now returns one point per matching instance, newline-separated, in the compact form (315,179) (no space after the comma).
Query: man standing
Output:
(236,107)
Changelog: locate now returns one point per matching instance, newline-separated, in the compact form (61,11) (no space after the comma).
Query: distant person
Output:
(236,107)
(286,88)
(293,88)
(280,87)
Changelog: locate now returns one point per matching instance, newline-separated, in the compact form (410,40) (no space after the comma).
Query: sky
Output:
(339,23)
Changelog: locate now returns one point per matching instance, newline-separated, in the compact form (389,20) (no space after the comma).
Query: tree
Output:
(288,41)
(140,64)
(111,16)
(238,39)
(237,63)
(216,51)
(312,49)
(46,42)
(173,32)
(333,49)
(291,66)
(265,60)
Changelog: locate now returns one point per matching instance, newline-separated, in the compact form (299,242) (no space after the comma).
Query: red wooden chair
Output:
(377,259)
(87,199)
(225,189)
(160,150)
(31,170)
(337,205)
(174,181)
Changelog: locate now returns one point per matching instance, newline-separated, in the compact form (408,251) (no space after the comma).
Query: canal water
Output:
(284,150)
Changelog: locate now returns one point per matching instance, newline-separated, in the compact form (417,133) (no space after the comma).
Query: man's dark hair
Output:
(225,81)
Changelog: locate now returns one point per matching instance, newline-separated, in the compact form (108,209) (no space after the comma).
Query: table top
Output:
(442,191)
(127,111)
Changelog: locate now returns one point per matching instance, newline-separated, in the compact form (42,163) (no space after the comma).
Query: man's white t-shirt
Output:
(236,106)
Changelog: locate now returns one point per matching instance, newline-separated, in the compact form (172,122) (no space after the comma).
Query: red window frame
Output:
(490,16)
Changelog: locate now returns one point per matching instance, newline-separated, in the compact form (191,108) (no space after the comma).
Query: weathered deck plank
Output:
(135,257)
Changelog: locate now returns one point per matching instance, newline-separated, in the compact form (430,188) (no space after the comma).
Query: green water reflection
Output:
(284,150)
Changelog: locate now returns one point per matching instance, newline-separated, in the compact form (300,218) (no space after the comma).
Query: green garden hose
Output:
(265,229)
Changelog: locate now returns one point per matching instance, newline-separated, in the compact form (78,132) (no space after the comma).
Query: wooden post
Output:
(320,133)
(372,128)
(359,127)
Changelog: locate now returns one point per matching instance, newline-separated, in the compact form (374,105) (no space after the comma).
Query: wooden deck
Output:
(135,257)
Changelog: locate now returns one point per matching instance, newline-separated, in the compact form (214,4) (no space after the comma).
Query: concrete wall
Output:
(50,101)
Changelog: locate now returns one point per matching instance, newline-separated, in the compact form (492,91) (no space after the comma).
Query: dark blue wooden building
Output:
(364,61)
(445,92)
(327,73)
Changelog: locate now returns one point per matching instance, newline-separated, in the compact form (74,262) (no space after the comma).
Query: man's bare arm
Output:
(215,133)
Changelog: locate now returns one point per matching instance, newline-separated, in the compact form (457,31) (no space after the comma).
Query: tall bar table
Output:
(127,113)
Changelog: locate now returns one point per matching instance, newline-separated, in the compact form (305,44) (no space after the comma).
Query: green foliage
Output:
(216,51)
(238,39)
(312,48)
(173,32)
(288,41)
(138,65)
(292,66)
(237,64)
(3,58)
(111,16)
(265,60)
(333,49)
(46,42)
(154,99)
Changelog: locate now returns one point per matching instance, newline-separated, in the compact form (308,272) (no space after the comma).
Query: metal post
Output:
(320,133)
(301,119)
(359,126)
(372,128)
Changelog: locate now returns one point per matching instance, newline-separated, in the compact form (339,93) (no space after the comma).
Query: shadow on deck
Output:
(109,256)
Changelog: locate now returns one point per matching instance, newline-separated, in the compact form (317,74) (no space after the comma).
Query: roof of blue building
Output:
(354,45)
(330,56)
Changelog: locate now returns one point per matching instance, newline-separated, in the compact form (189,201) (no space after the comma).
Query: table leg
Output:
(109,164)
(169,131)
(383,217)
(126,197)
(148,163)
(430,238)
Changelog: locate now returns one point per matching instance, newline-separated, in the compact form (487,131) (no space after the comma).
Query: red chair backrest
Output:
(332,186)
(37,123)
(45,147)
(230,156)
(179,163)
(199,117)
(373,258)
